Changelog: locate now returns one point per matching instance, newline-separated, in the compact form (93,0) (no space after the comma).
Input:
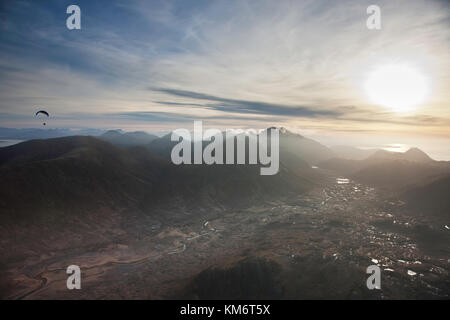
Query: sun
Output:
(398,87)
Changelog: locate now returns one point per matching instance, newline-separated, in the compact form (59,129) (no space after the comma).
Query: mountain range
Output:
(133,171)
(84,195)
(36,133)
(128,139)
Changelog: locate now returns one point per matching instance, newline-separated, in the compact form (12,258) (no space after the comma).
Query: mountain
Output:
(162,146)
(82,200)
(294,151)
(76,192)
(430,197)
(389,170)
(83,174)
(35,133)
(352,153)
(243,182)
(291,145)
(342,166)
(128,139)
(303,148)
(395,174)
(413,154)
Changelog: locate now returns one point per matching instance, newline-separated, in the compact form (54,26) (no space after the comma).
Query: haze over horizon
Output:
(160,65)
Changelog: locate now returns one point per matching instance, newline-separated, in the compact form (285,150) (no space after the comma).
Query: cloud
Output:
(294,61)
(248,107)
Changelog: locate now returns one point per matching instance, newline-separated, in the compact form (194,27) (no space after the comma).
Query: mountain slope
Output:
(413,154)
(303,148)
(389,170)
(431,197)
(73,174)
(86,173)
(36,133)
(127,139)
(352,153)
(296,151)
(394,174)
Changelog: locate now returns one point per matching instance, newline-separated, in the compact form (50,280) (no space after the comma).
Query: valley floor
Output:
(321,244)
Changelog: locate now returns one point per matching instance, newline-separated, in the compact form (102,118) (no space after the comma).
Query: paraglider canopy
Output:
(44,113)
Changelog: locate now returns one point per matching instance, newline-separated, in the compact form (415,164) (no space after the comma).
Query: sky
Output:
(160,65)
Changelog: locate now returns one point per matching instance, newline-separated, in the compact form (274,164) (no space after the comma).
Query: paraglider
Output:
(44,113)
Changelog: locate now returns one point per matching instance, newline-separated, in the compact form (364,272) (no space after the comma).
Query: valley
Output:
(338,230)
(140,227)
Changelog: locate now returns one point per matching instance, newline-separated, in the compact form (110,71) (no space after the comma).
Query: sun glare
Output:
(399,87)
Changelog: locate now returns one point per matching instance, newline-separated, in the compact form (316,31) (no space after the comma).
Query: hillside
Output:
(413,154)
(86,172)
(74,192)
(303,148)
(73,174)
(395,174)
(352,153)
(127,139)
(389,170)
(430,197)
(82,200)
(297,153)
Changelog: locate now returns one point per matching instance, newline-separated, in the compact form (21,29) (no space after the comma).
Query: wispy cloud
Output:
(296,62)
(248,107)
